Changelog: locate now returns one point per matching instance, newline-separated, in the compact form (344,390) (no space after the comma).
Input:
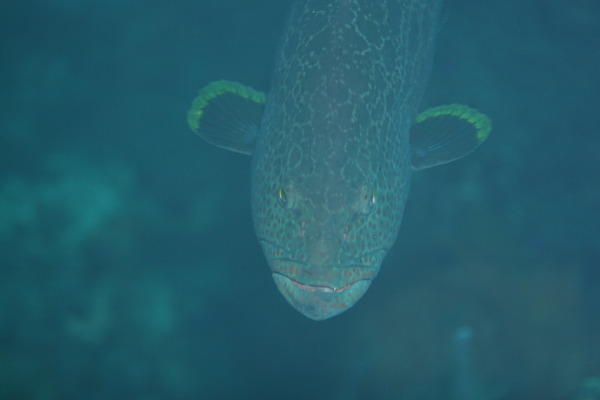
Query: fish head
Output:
(324,243)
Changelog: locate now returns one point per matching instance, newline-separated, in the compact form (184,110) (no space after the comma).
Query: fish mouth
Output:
(321,292)
(318,288)
(320,302)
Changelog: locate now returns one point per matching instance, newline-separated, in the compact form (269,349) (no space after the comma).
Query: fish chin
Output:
(320,302)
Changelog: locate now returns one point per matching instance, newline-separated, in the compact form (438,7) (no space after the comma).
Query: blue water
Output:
(129,268)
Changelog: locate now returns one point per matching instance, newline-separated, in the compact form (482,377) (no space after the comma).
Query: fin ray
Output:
(227,114)
(446,133)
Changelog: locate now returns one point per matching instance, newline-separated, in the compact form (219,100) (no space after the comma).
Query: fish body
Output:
(334,143)
(332,148)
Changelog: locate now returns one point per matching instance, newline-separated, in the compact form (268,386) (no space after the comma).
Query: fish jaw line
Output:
(320,302)
(320,288)
(330,279)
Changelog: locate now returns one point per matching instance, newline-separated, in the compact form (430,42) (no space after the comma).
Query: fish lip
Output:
(320,288)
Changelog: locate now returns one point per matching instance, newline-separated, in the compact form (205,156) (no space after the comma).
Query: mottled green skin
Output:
(331,167)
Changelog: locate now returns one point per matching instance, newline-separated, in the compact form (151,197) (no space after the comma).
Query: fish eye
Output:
(281,195)
(367,200)
(283,198)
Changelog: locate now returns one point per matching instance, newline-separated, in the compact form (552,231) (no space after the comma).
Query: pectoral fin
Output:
(446,133)
(227,114)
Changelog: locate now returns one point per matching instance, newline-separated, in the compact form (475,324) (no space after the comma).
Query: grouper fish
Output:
(335,140)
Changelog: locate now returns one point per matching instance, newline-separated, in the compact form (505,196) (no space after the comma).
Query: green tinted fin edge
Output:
(216,89)
(446,133)
(227,114)
(481,121)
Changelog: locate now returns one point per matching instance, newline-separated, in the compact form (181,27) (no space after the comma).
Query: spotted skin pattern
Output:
(331,166)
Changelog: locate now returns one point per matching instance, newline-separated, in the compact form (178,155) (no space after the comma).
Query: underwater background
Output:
(129,268)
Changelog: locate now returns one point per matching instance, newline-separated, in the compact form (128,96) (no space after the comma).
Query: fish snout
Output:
(319,285)
(321,252)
